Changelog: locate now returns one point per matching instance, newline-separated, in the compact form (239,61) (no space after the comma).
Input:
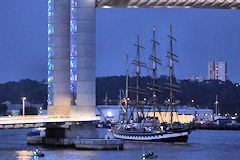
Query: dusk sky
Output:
(202,35)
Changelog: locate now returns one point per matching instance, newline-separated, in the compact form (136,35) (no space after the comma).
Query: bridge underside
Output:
(220,4)
(36,121)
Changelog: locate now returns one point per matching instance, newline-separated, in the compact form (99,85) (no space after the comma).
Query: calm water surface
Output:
(202,145)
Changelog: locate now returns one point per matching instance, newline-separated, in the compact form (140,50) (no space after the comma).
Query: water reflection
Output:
(24,155)
(202,145)
(65,154)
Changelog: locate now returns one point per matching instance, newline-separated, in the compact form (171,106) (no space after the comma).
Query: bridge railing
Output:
(31,117)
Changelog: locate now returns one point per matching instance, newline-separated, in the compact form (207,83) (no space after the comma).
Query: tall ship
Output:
(143,128)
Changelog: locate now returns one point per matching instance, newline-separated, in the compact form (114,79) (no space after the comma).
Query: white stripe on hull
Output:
(148,138)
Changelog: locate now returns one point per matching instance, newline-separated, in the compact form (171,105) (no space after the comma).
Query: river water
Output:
(202,145)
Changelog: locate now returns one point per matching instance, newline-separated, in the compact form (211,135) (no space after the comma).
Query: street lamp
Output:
(192,102)
(40,110)
(23,102)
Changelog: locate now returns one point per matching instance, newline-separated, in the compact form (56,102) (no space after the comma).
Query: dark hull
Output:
(168,140)
(165,137)
(174,135)
(173,139)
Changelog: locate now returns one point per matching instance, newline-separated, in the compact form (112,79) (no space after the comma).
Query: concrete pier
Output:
(81,144)
(84,135)
(35,140)
(99,144)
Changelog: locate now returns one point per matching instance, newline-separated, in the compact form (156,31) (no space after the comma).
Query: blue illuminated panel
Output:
(50,51)
(73,53)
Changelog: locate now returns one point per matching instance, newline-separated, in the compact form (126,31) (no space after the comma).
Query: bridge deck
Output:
(221,4)
(16,122)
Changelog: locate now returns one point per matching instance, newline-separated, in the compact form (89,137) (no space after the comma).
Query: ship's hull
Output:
(180,136)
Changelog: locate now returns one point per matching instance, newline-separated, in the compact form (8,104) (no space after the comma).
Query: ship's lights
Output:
(109,114)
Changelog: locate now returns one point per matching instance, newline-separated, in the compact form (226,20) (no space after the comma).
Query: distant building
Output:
(197,78)
(217,71)
(228,122)
(14,109)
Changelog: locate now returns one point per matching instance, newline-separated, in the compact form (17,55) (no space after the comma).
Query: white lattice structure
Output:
(221,4)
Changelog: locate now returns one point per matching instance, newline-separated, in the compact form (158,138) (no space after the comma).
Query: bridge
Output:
(72,56)
(220,4)
(72,66)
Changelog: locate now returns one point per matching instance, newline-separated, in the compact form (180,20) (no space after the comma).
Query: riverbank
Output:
(216,127)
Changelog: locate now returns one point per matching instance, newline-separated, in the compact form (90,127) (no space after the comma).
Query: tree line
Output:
(36,92)
(194,93)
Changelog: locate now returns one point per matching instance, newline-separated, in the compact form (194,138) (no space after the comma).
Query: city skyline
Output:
(202,35)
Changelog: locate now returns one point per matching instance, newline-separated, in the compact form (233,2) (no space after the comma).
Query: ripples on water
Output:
(202,145)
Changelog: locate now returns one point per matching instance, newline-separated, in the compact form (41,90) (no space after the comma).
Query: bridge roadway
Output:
(18,122)
(220,4)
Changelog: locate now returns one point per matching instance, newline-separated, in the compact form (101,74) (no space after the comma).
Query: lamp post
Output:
(216,105)
(23,102)
(192,102)
(40,110)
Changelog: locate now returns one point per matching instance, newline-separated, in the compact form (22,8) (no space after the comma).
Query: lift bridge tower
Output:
(72,58)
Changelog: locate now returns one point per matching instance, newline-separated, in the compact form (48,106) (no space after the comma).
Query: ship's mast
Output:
(138,73)
(155,60)
(173,88)
(138,64)
(171,74)
(126,94)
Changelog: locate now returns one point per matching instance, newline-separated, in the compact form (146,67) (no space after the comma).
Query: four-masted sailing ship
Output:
(143,129)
